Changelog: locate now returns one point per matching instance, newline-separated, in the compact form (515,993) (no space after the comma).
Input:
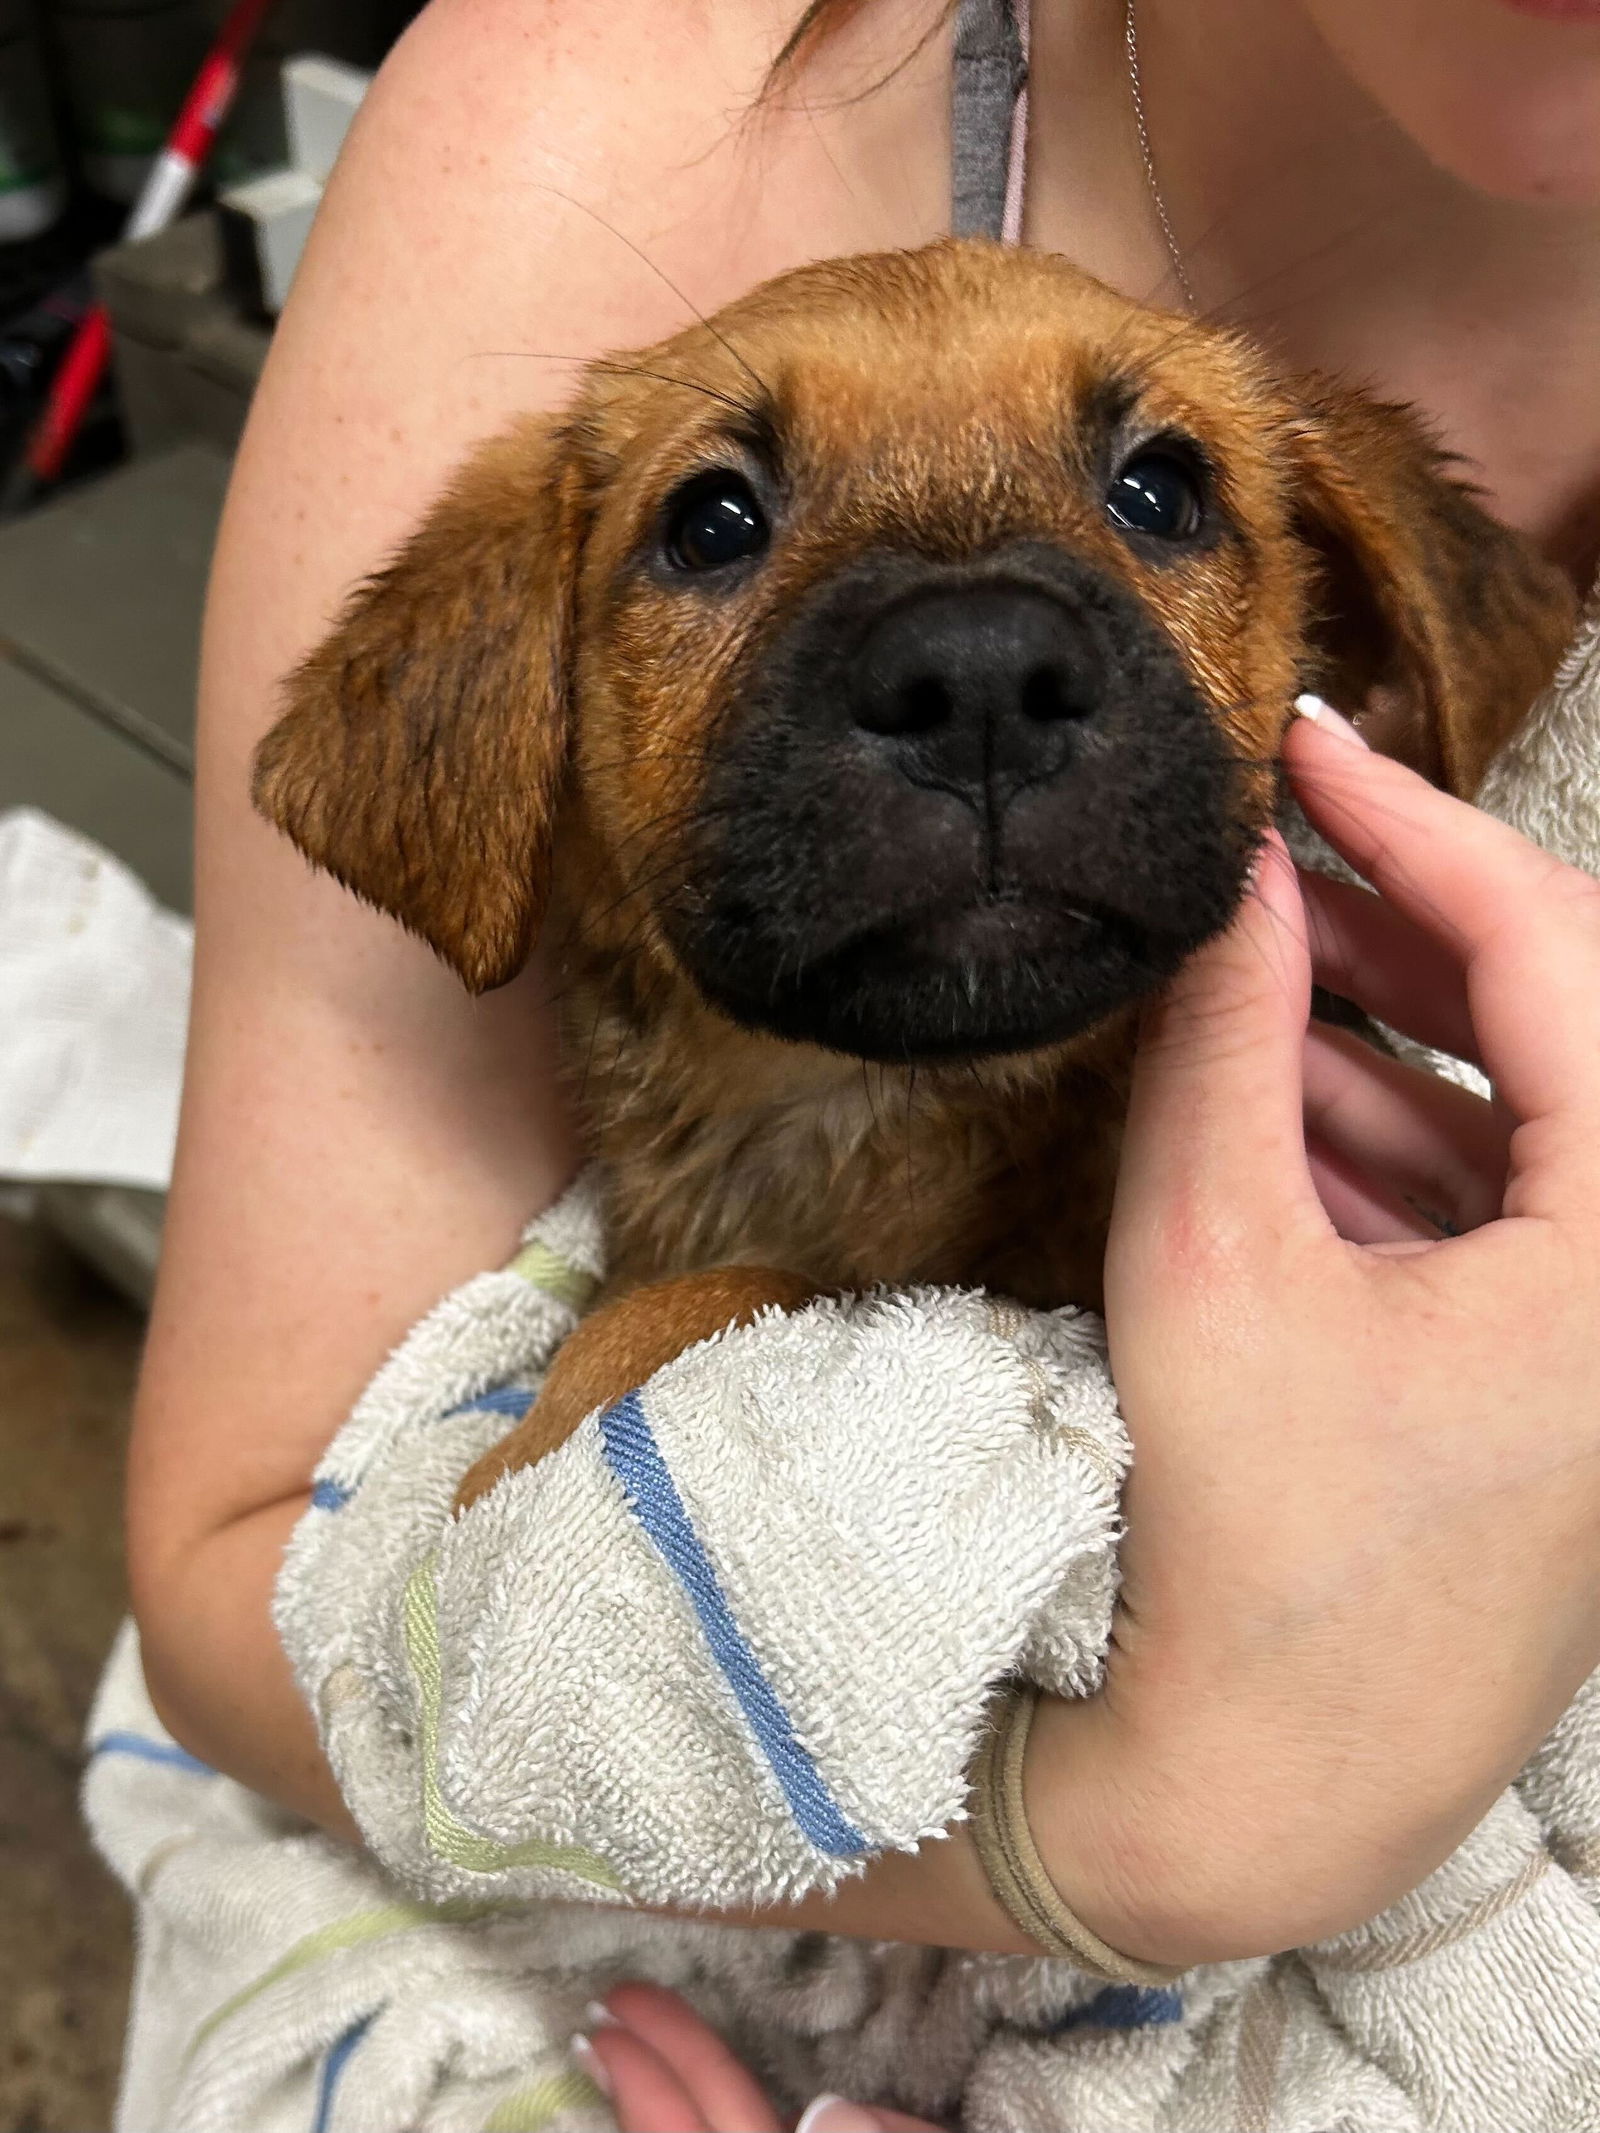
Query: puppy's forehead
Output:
(958,347)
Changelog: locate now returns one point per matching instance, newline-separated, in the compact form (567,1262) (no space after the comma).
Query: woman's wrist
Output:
(1201,1819)
(1118,1834)
(1178,1837)
(1181,1833)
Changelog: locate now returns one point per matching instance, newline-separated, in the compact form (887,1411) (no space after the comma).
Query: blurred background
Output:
(160,162)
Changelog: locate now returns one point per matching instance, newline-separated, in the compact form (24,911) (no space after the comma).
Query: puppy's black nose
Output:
(979,691)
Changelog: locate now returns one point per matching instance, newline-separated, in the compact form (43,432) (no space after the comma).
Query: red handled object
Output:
(160,202)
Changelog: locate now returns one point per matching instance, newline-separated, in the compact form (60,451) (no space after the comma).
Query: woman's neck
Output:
(1306,215)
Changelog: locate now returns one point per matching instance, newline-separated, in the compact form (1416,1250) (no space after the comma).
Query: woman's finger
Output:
(645,2093)
(1437,1147)
(1364,950)
(1214,1158)
(1526,929)
(1361,1208)
(726,2095)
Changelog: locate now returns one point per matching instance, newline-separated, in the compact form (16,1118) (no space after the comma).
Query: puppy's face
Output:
(901,658)
(933,672)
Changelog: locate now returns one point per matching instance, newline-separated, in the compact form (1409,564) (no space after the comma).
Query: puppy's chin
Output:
(979,981)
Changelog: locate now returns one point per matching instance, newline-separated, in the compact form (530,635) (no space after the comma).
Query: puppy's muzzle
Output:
(959,808)
(978,692)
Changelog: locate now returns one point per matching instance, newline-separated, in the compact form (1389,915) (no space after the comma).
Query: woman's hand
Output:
(666,2071)
(1362,1577)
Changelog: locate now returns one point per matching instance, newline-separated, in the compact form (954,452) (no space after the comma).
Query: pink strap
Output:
(1017,161)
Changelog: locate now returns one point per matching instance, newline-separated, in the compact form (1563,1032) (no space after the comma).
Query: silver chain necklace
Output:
(1147,157)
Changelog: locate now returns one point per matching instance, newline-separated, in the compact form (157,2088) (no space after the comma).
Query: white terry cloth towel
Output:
(735,1638)
(94,1005)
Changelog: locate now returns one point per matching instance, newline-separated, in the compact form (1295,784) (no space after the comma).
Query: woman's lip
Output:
(1557,10)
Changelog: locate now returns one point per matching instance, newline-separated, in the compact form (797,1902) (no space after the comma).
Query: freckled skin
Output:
(530,724)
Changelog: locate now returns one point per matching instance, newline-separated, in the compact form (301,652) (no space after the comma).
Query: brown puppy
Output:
(869,696)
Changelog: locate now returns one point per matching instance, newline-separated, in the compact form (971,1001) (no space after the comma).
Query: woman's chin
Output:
(1503,97)
(1555,165)
(1532,150)
(1565,11)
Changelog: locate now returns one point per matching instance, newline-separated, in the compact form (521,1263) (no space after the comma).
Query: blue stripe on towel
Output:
(635,1458)
(333,2067)
(145,1750)
(513,1400)
(1124,2007)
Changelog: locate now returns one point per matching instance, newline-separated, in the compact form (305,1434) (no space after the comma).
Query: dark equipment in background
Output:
(89,92)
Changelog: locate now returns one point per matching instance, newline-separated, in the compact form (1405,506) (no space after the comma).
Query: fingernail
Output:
(598,2015)
(836,2114)
(1325,716)
(588,2062)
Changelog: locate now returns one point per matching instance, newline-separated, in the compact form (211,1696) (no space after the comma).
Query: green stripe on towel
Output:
(530,2109)
(548,1272)
(447,1838)
(344,1933)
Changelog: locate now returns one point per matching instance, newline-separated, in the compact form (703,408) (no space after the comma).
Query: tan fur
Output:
(515,718)
(1453,620)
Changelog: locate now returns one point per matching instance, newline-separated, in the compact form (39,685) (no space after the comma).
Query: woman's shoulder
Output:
(527,187)
(595,128)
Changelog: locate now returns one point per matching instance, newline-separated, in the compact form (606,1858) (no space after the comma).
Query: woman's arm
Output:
(358,1136)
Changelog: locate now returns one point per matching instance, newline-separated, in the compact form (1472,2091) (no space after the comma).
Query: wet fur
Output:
(514,730)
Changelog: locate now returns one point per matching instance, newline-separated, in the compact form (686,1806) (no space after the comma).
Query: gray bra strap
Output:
(985,81)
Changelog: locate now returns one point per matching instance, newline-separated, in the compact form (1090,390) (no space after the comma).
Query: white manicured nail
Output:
(1331,721)
(836,2114)
(589,2063)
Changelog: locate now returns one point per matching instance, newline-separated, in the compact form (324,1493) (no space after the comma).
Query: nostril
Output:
(924,704)
(958,670)
(1045,697)
(918,705)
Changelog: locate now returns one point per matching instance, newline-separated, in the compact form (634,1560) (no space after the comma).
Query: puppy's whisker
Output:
(1207,239)
(662,821)
(582,932)
(1247,301)
(1134,369)
(623,949)
(649,755)
(1281,970)
(661,905)
(662,377)
(666,280)
(695,811)
(866,1090)
(911,1180)
(588,1061)
(642,881)
(612,366)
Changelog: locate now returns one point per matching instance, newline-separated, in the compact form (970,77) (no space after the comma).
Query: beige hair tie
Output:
(1011,1862)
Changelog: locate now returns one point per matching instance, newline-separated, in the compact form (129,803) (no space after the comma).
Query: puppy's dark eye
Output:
(714,521)
(1157,493)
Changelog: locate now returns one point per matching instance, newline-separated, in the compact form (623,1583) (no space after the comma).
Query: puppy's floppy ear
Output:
(1453,619)
(425,741)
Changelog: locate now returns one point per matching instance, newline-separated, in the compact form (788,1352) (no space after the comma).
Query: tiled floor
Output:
(68,1349)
